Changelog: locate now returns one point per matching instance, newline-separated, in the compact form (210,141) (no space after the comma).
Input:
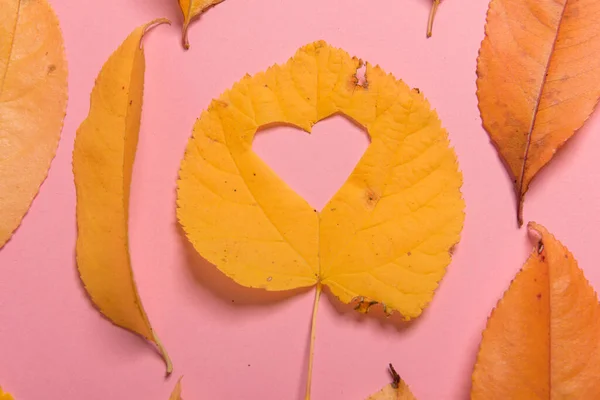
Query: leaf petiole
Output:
(313,333)
(432,13)
(163,353)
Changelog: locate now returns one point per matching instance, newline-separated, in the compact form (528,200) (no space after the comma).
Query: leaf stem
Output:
(432,13)
(520,209)
(313,333)
(186,24)
(163,353)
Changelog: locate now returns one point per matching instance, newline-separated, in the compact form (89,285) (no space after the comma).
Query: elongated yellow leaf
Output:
(192,9)
(384,237)
(397,390)
(33,100)
(5,396)
(102,164)
(176,394)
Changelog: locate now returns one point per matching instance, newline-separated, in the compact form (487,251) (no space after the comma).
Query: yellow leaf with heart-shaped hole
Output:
(385,236)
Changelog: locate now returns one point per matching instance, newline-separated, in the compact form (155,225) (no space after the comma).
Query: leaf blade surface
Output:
(543,338)
(103,159)
(33,101)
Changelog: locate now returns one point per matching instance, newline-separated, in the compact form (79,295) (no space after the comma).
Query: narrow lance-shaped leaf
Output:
(192,9)
(543,339)
(397,390)
(538,80)
(102,164)
(33,100)
(384,237)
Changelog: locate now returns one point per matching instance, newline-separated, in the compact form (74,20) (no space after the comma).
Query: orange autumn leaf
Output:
(397,390)
(33,100)
(543,339)
(102,165)
(192,9)
(538,79)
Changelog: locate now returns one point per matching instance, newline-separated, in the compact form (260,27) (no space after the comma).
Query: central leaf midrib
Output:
(539,98)
(11,48)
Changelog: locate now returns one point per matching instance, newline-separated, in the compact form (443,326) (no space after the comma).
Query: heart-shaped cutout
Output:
(315,165)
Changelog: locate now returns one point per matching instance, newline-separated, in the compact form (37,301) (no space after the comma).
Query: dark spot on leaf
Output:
(372,198)
(540,247)
(539,296)
(409,254)
(364,304)
(51,68)
(452,249)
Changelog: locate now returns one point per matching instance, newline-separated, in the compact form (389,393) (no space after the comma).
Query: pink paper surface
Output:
(235,343)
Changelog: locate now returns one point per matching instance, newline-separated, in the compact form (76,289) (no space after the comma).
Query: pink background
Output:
(234,343)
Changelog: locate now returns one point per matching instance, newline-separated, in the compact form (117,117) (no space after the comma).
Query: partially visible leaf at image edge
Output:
(5,396)
(33,102)
(176,393)
(397,390)
(103,158)
(384,238)
(542,341)
(538,80)
(192,9)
